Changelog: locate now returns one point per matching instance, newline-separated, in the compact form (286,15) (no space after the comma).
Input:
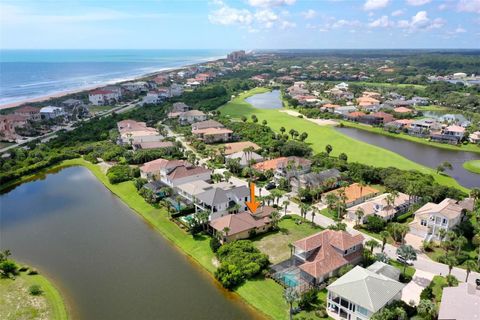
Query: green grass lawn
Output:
(332,214)
(17,303)
(320,136)
(439,283)
(469,147)
(310,315)
(95,109)
(431,108)
(387,85)
(275,244)
(409,271)
(472,166)
(263,294)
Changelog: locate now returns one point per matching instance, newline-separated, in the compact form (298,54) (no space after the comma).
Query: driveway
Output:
(411,292)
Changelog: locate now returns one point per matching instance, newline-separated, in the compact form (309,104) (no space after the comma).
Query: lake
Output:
(107,261)
(267,100)
(423,154)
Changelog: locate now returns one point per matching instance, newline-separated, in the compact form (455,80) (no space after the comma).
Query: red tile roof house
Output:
(212,135)
(321,255)
(285,167)
(31,113)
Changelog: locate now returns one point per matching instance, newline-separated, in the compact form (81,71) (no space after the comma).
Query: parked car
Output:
(271,185)
(405,261)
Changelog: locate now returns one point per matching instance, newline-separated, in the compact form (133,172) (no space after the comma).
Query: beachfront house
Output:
(101,97)
(360,293)
(51,112)
(30,113)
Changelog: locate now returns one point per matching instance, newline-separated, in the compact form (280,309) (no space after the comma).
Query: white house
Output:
(51,112)
(103,96)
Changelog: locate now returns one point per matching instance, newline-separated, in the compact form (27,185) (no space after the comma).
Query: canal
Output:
(107,262)
(423,154)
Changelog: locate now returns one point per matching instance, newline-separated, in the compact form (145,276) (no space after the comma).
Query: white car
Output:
(403,260)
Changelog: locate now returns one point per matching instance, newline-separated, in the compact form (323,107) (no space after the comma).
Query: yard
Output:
(275,244)
(320,136)
(473,165)
(95,109)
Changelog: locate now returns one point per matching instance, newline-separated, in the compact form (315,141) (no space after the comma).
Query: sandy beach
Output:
(60,94)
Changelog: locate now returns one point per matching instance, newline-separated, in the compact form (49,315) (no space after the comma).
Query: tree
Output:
(475,195)
(303,136)
(407,253)
(398,231)
(282,130)
(314,212)
(470,266)
(359,213)
(291,247)
(384,235)
(382,257)
(291,296)
(328,149)
(343,157)
(374,223)
(275,218)
(264,122)
(427,309)
(372,243)
(450,261)
(331,199)
(304,208)
(244,119)
(227,175)
(285,203)
(476,242)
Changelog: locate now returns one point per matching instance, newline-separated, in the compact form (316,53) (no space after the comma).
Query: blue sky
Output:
(246,24)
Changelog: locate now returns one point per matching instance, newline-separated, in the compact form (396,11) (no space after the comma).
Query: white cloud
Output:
(397,13)
(469,6)
(375,4)
(417,3)
(230,16)
(309,14)
(270,3)
(460,30)
(382,22)
(287,25)
(421,21)
(442,7)
(266,17)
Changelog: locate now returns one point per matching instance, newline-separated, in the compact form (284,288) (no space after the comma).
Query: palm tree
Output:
(382,257)
(275,218)
(469,265)
(427,309)
(407,253)
(475,195)
(304,208)
(328,149)
(459,243)
(291,247)
(226,230)
(450,261)
(331,199)
(359,213)
(285,203)
(372,243)
(441,234)
(290,296)
(282,130)
(314,213)
(384,235)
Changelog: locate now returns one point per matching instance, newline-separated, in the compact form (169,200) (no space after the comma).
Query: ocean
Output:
(29,74)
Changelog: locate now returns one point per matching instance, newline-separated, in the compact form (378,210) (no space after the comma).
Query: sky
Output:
(239,24)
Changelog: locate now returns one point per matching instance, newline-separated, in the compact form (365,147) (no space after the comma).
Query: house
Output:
(361,292)
(51,112)
(234,147)
(452,134)
(403,110)
(354,194)
(186,173)
(398,125)
(460,303)
(377,118)
(314,180)
(134,132)
(213,135)
(372,94)
(103,96)
(218,199)
(397,103)
(8,124)
(433,217)
(31,113)
(365,102)
(342,86)
(381,207)
(474,137)
(153,145)
(285,167)
(207,125)
(355,116)
(71,104)
(321,255)
(420,101)
(177,109)
(238,226)
(344,110)
(421,128)
(154,97)
(158,168)
(330,107)
(191,116)
(136,86)
(246,158)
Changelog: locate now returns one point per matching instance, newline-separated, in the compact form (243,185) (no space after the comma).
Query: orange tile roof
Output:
(403,110)
(277,163)
(327,247)
(231,148)
(354,192)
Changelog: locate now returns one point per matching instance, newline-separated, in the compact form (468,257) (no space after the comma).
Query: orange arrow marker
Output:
(252,204)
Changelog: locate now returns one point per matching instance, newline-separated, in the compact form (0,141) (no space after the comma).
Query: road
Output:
(428,267)
(71,126)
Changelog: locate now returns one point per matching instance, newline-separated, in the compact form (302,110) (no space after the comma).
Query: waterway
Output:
(267,100)
(423,154)
(107,261)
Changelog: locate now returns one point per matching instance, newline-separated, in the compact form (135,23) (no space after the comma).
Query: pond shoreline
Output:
(177,238)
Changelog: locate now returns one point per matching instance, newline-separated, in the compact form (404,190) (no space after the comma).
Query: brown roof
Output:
(403,110)
(212,131)
(160,164)
(155,144)
(326,257)
(235,147)
(356,114)
(182,172)
(281,162)
(354,192)
(237,223)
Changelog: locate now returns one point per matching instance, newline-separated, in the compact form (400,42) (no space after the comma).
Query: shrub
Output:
(427,293)
(119,173)
(374,223)
(215,244)
(404,217)
(91,158)
(451,281)
(308,299)
(35,290)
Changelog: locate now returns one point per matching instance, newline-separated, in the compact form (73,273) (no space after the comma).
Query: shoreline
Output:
(59,94)
(178,239)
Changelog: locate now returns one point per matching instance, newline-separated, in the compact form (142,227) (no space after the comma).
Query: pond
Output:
(107,261)
(423,154)
(267,100)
